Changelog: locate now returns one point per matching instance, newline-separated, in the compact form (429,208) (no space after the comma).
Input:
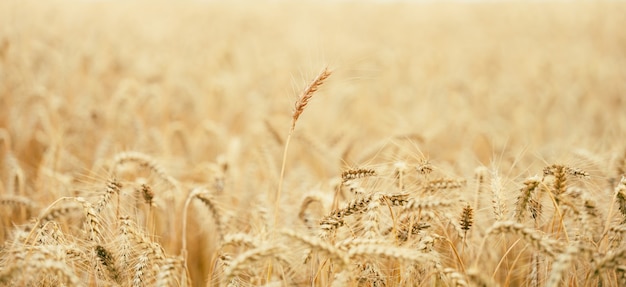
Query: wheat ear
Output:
(497,200)
(300,104)
(530,185)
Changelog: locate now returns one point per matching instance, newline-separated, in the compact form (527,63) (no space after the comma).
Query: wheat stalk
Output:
(300,104)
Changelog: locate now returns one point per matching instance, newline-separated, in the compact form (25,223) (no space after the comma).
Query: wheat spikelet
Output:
(497,200)
(123,240)
(357,173)
(50,234)
(357,205)
(330,224)
(106,259)
(141,268)
(559,185)
(369,220)
(577,172)
(93,221)
(307,94)
(535,208)
(113,187)
(467,219)
(530,185)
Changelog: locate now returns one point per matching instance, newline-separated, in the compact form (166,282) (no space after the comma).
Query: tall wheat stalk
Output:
(299,107)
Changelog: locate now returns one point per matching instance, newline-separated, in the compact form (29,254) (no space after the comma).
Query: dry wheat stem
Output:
(300,104)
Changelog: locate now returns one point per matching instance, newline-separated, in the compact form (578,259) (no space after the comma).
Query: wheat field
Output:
(295,143)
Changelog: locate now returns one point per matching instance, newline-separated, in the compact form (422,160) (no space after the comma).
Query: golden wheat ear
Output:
(307,94)
(299,106)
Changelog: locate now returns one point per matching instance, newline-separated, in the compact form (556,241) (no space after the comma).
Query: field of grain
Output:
(291,143)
